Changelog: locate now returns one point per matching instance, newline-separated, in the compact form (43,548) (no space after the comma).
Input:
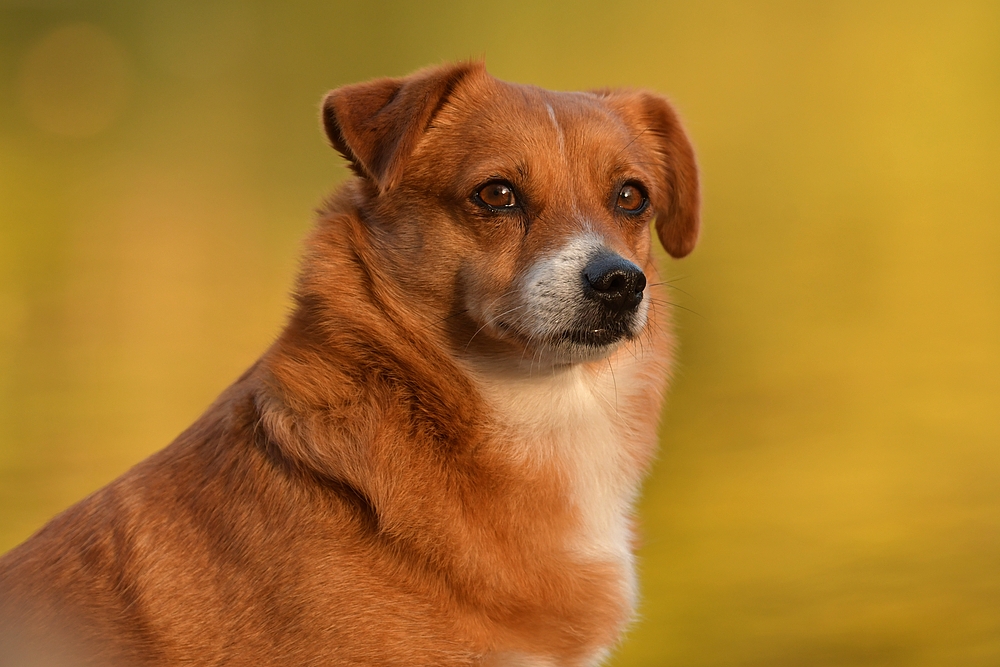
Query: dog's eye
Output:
(631,198)
(497,194)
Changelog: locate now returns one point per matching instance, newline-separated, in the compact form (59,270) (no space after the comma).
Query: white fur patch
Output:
(570,417)
(526,660)
(559,132)
(553,297)
(552,288)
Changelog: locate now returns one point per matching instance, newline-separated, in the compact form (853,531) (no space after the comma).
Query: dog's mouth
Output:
(588,336)
(602,337)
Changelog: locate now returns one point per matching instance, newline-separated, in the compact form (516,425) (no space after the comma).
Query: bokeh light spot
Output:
(74,81)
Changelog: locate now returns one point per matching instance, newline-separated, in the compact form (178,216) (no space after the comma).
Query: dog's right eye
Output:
(496,195)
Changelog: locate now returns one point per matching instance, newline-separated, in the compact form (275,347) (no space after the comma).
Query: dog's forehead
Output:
(491,128)
(496,110)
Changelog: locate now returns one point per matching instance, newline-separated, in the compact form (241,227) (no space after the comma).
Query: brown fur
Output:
(355,497)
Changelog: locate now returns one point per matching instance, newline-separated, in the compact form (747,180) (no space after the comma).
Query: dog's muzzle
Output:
(612,289)
(581,301)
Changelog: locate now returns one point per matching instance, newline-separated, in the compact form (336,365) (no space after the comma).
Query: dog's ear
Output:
(678,201)
(376,125)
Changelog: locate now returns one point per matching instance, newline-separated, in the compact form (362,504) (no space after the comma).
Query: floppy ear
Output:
(678,202)
(375,125)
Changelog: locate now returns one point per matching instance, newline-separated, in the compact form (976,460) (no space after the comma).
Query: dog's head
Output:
(519,215)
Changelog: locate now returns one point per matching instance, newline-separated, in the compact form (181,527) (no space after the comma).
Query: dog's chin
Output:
(574,345)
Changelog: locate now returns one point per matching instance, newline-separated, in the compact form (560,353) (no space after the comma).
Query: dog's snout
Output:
(614,280)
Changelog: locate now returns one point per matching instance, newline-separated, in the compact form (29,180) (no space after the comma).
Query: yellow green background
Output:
(828,489)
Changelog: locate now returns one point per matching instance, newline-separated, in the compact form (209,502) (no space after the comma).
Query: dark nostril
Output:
(615,280)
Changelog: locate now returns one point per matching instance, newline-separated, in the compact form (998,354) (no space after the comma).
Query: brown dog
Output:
(436,462)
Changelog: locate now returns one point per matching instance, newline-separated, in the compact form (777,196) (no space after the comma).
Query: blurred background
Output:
(828,490)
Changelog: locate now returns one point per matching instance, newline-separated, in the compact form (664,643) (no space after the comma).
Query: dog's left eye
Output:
(497,194)
(631,198)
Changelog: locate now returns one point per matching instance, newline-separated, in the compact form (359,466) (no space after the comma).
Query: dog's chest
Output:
(573,422)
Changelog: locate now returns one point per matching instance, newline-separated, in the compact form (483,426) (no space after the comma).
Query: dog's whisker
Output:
(673,287)
(677,305)
(614,383)
(665,283)
(492,319)
(626,147)
(444,319)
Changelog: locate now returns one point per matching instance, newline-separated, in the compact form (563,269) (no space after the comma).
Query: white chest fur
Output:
(575,420)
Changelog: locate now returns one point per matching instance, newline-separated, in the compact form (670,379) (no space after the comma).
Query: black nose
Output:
(614,280)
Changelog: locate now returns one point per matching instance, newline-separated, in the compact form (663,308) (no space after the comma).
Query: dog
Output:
(436,462)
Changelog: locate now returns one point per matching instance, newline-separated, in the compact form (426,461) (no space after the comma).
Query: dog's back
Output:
(436,461)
